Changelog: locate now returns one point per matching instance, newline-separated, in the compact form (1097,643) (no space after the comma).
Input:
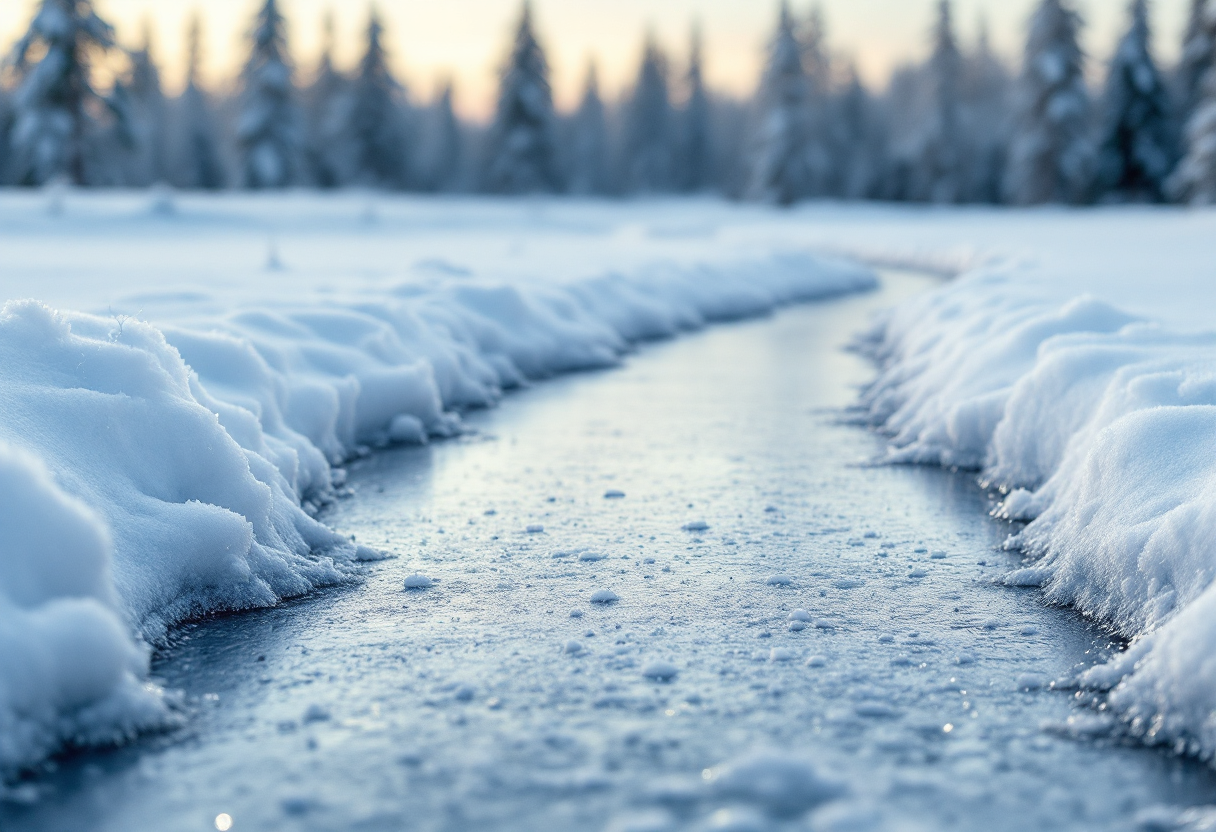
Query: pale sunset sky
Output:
(466,39)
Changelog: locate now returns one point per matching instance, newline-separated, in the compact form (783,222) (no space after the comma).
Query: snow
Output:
(204,442)
(1096,423)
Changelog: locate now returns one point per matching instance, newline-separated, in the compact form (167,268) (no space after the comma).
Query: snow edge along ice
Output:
(191,456)
(1097,426)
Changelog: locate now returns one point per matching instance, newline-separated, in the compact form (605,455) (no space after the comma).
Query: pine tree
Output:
(1198,58)
(1195,179)
(268,130)
(941,156)
(522,146)
(1137,149)
(696,146)
(376,118)
(55,99)
(588,142)
(648,164)
(326,105)
(854,141)
(1051,156)
(783,171)
(148,117)
(443,148)
(196,154)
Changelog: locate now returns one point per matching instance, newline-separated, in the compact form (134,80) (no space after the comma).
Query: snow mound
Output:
(204,446)
(1100,428)
(780,784)
(70,670)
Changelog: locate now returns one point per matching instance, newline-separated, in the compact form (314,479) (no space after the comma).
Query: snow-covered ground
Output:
(224,354)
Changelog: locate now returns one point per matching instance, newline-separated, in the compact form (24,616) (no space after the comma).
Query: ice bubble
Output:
(695,526)
(604,596)
(781,654)
(780,784)
(799,615)
(1028,630)
(918,572)
(797,626)
(816,661)
(614,494)
(574,647)
(779,580)
(417,581)
(535,528)
(660,671)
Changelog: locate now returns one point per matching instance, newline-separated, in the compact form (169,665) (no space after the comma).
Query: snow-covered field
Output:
(180,411)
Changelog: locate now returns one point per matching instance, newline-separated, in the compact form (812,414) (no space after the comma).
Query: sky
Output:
(466,40)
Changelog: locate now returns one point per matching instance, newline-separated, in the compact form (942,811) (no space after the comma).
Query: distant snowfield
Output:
(223,355)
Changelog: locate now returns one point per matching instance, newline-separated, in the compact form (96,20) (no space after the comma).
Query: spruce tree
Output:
(197,162)
(148,117)
(375,121)
(941,156)
(326,106)
(1195,179)
(268,131)
(1137,149)
(522,144)
(783,167)
(986,97)
(1051,156)
(1198,57)
(854,141)
(52,122)
(648,164)
(443,148)
(588,142)
(696,146)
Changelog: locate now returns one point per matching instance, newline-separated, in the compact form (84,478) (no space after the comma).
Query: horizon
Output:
(466,40)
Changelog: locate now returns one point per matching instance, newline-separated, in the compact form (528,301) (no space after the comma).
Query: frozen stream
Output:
(502,698)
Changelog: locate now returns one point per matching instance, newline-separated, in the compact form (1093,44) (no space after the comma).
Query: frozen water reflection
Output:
(660,598)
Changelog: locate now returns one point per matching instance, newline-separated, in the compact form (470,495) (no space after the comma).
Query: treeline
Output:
(960,128)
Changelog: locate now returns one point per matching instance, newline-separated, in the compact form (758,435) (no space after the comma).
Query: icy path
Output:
(486,702)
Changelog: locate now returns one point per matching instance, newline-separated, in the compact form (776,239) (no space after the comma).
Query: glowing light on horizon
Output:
(465,40)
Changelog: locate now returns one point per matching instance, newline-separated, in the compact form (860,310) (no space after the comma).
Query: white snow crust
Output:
(173,469)
(1099,428)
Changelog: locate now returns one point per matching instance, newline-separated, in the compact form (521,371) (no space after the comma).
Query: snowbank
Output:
(203,447)
(1100,428)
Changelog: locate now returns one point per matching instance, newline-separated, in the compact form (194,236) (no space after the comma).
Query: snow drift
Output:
(198,451)
(1100,428)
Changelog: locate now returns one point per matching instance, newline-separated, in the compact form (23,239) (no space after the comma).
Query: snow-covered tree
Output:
(1137,153)
(1195,179)
(6,127)
(442,156)
(941,147)
(326,102)
(696,125)
(522,144)
(1197,59)
(56,104)
(588,141)
(783,170)
(268,131)
(985,100)
(648,165)
(854,141)
(375,122)
(147,113)
(196,149)
(1052,155)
